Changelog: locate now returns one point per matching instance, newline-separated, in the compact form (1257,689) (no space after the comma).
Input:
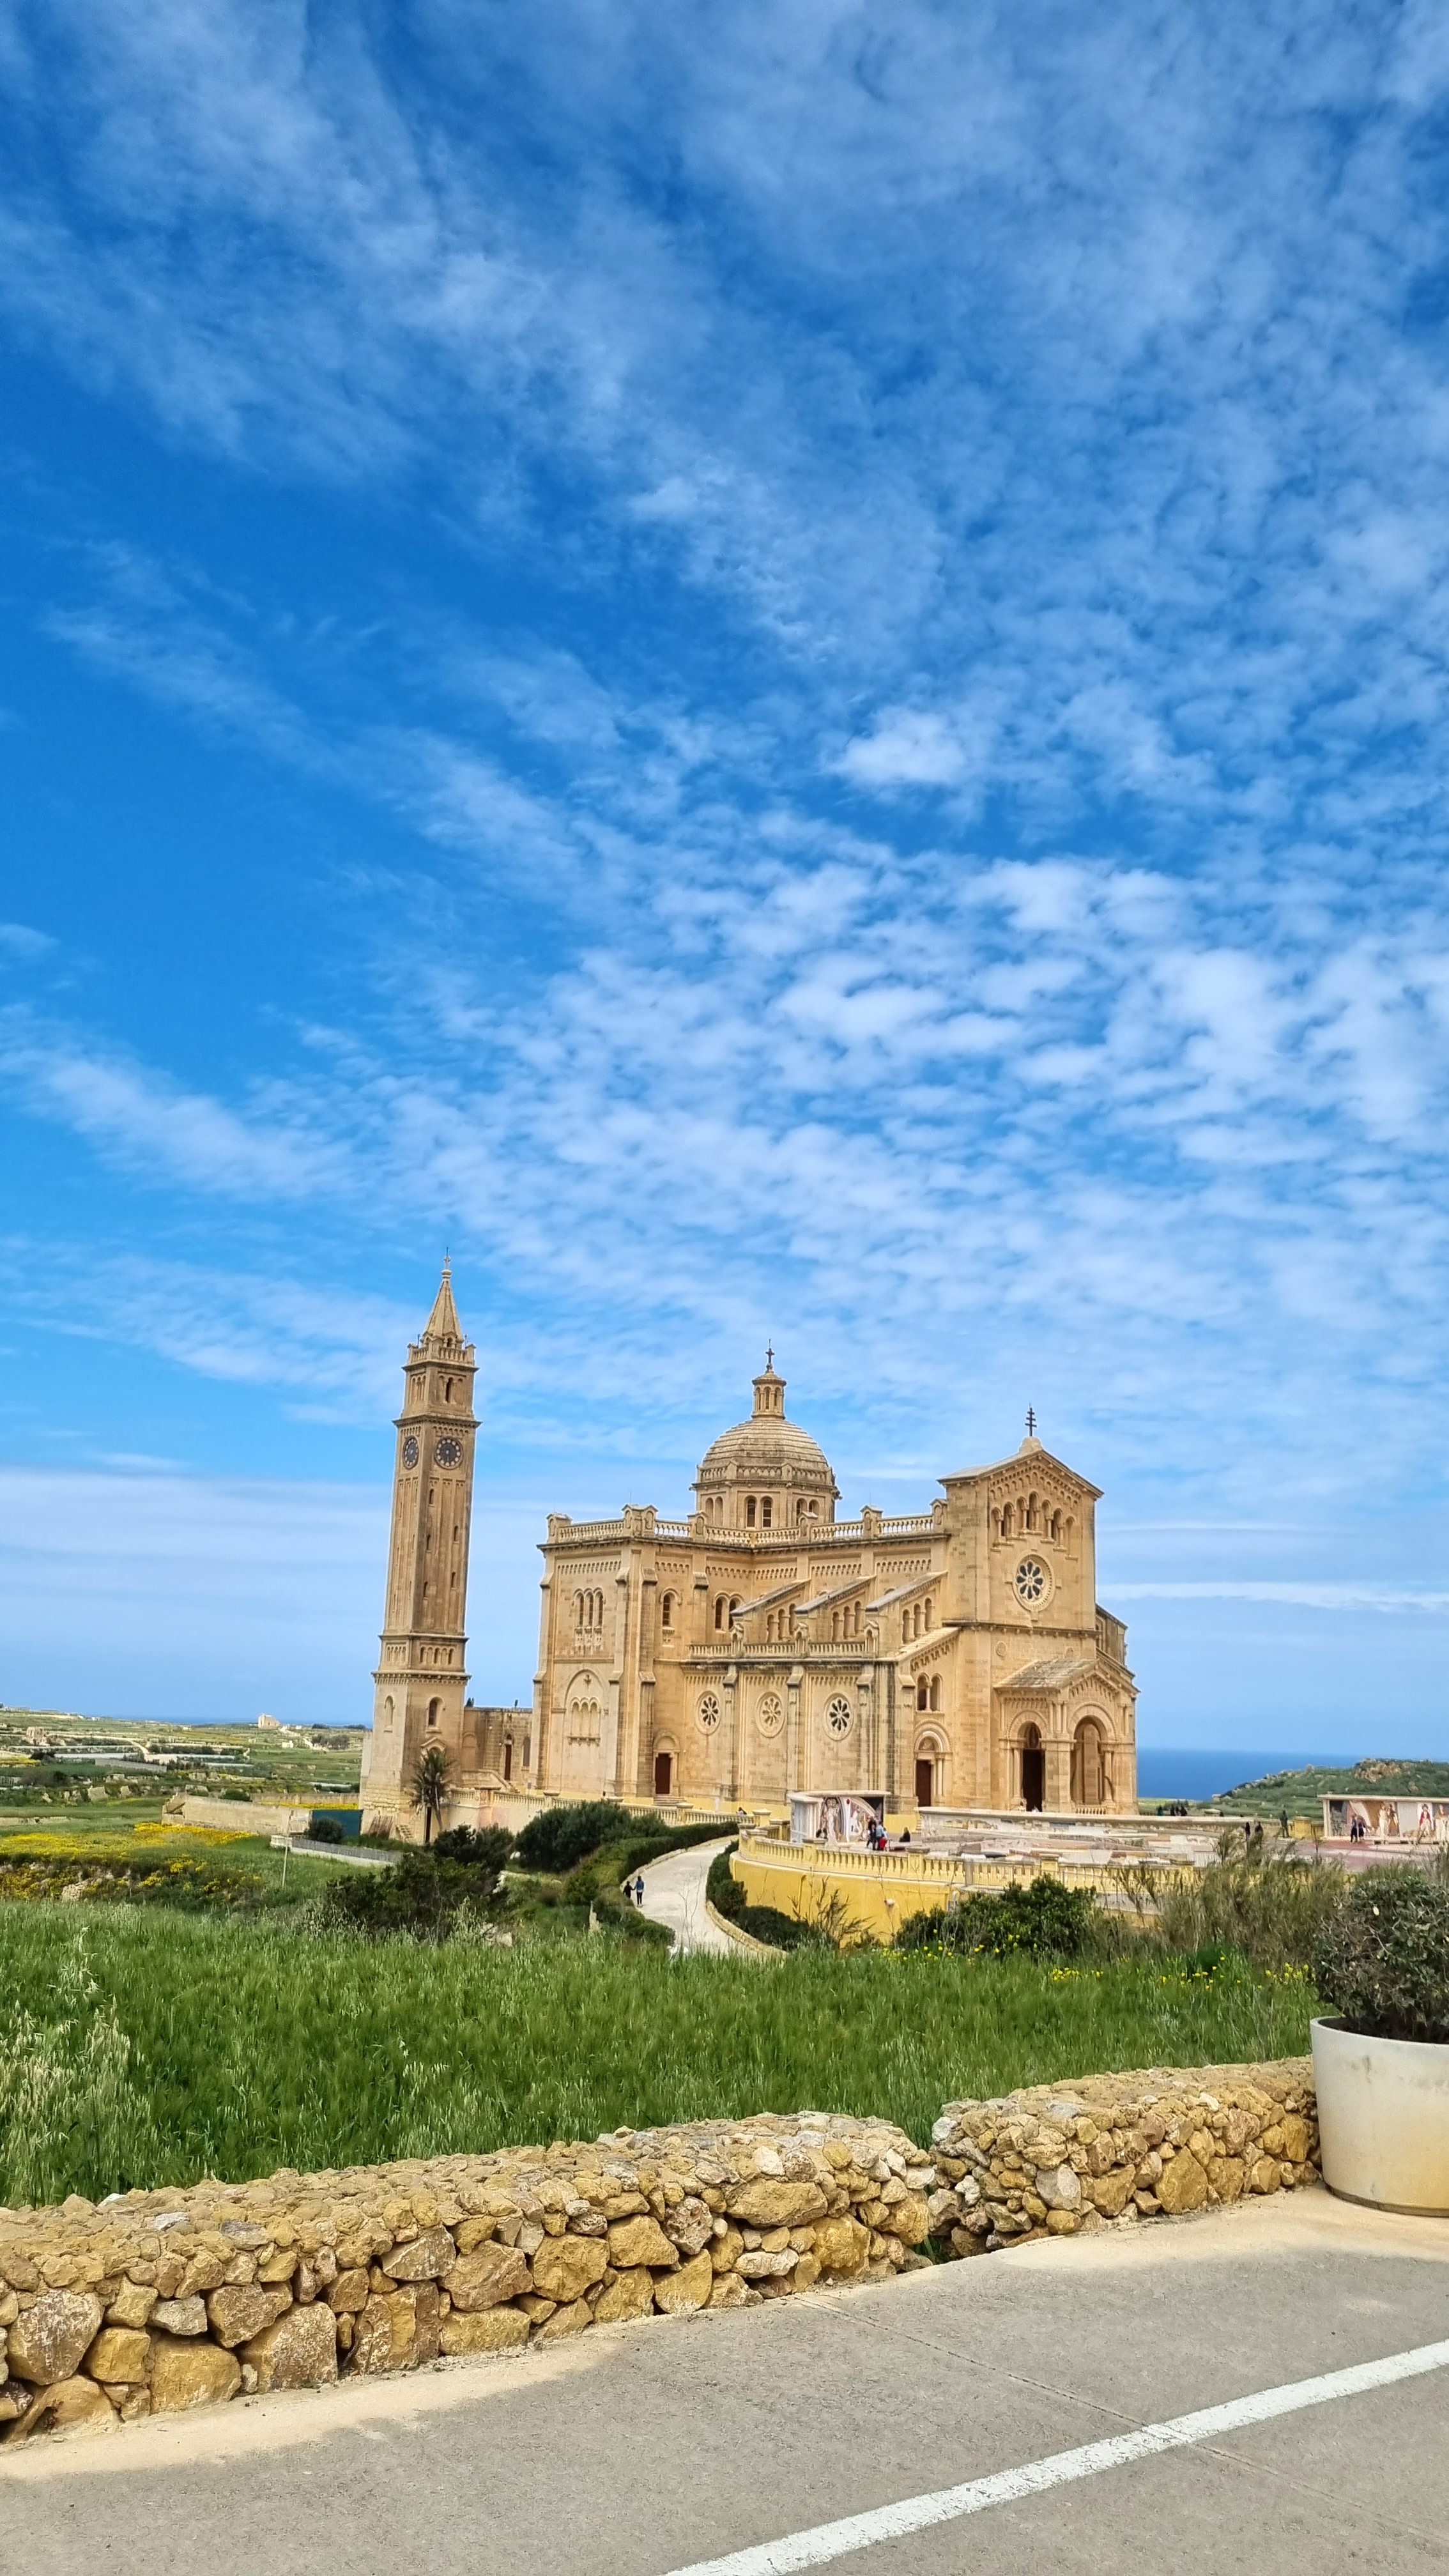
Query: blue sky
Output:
(780,671)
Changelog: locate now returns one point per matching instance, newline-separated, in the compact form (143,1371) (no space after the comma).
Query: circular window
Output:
(838,1719)
(708,1712)
(449,1451)
(410,1451)
(770,1715)
(1031,1581)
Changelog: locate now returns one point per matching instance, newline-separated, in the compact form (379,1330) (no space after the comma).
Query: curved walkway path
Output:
(674,1896)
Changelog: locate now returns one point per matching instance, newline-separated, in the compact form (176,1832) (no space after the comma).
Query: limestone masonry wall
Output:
(158,2301)
(155,2302)
(1063,2158)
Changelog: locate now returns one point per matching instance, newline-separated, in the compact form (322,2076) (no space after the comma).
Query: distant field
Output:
(1301,1792)
(146,2046)
(37,1846)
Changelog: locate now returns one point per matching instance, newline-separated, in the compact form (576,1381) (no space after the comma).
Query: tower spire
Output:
(443,1325)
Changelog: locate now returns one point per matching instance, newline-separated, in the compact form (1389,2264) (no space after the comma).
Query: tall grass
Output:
(1271,1911)
(146,2046)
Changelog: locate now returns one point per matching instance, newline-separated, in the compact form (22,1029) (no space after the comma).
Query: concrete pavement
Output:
(674,1894)
(642,2450)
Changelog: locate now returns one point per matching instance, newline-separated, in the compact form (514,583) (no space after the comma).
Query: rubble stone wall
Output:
(155,2302)
(1061,2159)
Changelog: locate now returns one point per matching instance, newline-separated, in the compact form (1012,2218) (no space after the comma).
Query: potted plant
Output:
(1381,2062)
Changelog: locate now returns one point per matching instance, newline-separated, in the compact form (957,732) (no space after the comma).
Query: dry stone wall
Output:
(1113,2149)
(155,2302)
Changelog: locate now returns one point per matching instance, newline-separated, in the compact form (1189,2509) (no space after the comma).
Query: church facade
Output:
(762,1648)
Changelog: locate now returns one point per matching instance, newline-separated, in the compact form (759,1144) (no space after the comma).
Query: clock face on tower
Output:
(410,1451)
(449,1451)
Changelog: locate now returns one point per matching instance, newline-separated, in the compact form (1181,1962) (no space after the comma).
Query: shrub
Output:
(490,1848)
(1272,1911)
(325,1829)
(1382,1960)
(1041,1920)
(764,1922)
(418,1894)
(559,1837)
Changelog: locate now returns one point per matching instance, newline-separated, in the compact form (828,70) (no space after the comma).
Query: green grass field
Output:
(142,2046)
(39,1852)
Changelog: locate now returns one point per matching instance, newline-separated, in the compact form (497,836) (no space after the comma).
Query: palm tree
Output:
(429,1785)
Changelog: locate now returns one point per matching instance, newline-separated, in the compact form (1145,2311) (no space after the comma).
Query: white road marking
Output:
(948,2504)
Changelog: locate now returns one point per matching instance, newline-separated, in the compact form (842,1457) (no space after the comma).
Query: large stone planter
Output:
(1383,2118)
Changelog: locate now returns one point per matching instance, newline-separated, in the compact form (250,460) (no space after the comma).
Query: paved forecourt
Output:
(745,2437)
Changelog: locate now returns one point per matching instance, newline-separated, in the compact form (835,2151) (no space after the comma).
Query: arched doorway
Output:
(1089,1769)
(925,1780)
(663,1774)
(1033,1770)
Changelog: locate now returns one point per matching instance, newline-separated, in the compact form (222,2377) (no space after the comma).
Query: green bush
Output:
(1041,1920)
(325,1829)
(487,1848)
(763,1922)
(1382,1959)
(419,1894)
(559,1837)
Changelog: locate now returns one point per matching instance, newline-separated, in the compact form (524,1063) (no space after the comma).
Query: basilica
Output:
(762,1650)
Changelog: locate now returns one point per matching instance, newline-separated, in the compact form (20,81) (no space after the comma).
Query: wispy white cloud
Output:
(158,1129)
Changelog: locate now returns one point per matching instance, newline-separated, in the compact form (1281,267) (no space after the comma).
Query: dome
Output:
(779,1452)
(766,1452)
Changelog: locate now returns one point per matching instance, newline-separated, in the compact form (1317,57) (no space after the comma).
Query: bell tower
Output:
(421,1677)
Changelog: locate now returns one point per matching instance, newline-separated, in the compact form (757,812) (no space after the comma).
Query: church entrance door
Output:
(1033,1778)
(663,1774)
(925,1780)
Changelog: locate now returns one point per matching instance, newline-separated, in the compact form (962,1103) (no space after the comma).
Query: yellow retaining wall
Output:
(881,1888)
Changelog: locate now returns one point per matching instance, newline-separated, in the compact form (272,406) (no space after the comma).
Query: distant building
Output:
(274,1723)
(761,1648)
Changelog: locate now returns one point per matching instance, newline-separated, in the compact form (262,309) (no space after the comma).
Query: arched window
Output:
(387,1712)
(835,1626)
(434,1711)
(923,1695)
(666,1612)
(749,1511)
(719,1611)
(1031,1515)
(578,1609)
(1054,1529)
(936,1691)
(447,1390)
(930,1615)
(735,1608)
(765,1511)
(1006,1520)
(508,1757)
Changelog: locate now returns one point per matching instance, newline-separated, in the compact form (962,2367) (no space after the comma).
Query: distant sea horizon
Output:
(1202,1771)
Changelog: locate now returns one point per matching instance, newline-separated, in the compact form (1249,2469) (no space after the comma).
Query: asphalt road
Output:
(650,2449)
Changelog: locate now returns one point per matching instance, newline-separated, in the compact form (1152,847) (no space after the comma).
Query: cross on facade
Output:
(1030,1422)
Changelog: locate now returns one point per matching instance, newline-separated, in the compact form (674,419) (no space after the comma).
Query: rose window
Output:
(708,1712)
(1031,1581)
(770,1715)
(838,1719)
